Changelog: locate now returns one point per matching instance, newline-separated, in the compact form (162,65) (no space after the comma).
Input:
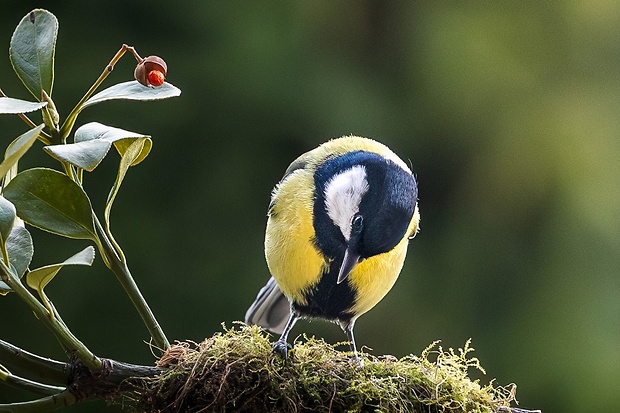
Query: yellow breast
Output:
(293,260)
(374,277)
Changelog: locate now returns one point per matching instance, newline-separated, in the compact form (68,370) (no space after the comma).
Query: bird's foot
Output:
(281,347)
(357,360)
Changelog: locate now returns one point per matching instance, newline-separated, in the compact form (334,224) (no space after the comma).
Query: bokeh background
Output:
(508,111)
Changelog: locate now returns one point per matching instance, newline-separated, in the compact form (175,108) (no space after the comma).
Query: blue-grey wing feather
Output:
(271,309)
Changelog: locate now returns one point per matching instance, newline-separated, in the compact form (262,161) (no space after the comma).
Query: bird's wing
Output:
(271,309)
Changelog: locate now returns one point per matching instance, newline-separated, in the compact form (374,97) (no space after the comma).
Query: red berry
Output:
(156,78)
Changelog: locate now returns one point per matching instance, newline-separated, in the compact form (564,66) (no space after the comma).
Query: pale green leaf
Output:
(20,248)
(7,219)
(32,51)
(86,155)
(92,142)
(39,278)
(15,106)
(18,148)
(130,155)
(96,130)
(123,145)
(133,90)
(51,201)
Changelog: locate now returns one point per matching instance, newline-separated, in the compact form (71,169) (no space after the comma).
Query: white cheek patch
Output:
(343,194)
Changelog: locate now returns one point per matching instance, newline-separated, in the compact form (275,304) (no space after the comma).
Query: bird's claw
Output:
(282,347)
(357,360)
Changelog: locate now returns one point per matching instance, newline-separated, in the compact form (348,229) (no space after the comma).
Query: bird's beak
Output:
(350,260)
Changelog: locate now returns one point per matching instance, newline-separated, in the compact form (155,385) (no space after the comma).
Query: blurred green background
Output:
(508,111)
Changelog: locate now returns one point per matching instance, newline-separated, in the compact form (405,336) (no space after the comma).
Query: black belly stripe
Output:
(327,299)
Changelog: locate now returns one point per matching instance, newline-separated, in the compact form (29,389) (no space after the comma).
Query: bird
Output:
(338,226)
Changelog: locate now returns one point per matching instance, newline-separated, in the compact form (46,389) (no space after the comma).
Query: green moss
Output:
(236,371)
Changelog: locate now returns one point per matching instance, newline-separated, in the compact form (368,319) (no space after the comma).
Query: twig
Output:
(40,368)
(55,401)
(34,387)
(120,269)
(70,121)
(62,333)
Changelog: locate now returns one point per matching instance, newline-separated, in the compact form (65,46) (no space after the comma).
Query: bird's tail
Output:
(271,309)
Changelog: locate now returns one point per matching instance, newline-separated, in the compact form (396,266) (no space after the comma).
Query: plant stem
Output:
(69,171)
(70,121)
(55,401)
(120,269)
(5,253)
(62,333)
(39,368)
(34,387)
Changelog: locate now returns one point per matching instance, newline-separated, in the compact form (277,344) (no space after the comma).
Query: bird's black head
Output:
(364,203)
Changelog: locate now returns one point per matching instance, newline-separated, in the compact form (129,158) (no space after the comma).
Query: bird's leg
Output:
(281,346)
(348,328)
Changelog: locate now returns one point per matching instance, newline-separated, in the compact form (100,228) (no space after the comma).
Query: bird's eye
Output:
(357,223)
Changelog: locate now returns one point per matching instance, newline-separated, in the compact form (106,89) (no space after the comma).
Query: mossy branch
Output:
(236,371)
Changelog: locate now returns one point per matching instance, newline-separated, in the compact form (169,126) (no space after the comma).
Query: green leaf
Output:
(96,130)
(51,201)
(32,51)
(18,148)
(133,90)
(130,155)
(39,278)
(123,147)
(86,155)
(7,219)
(20,248)
(121,138)
(92,143)
(15,106)
(15,150)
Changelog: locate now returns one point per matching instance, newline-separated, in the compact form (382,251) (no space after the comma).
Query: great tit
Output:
(338,227)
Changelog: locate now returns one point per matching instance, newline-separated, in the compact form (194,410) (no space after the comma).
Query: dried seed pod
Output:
(144,72)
